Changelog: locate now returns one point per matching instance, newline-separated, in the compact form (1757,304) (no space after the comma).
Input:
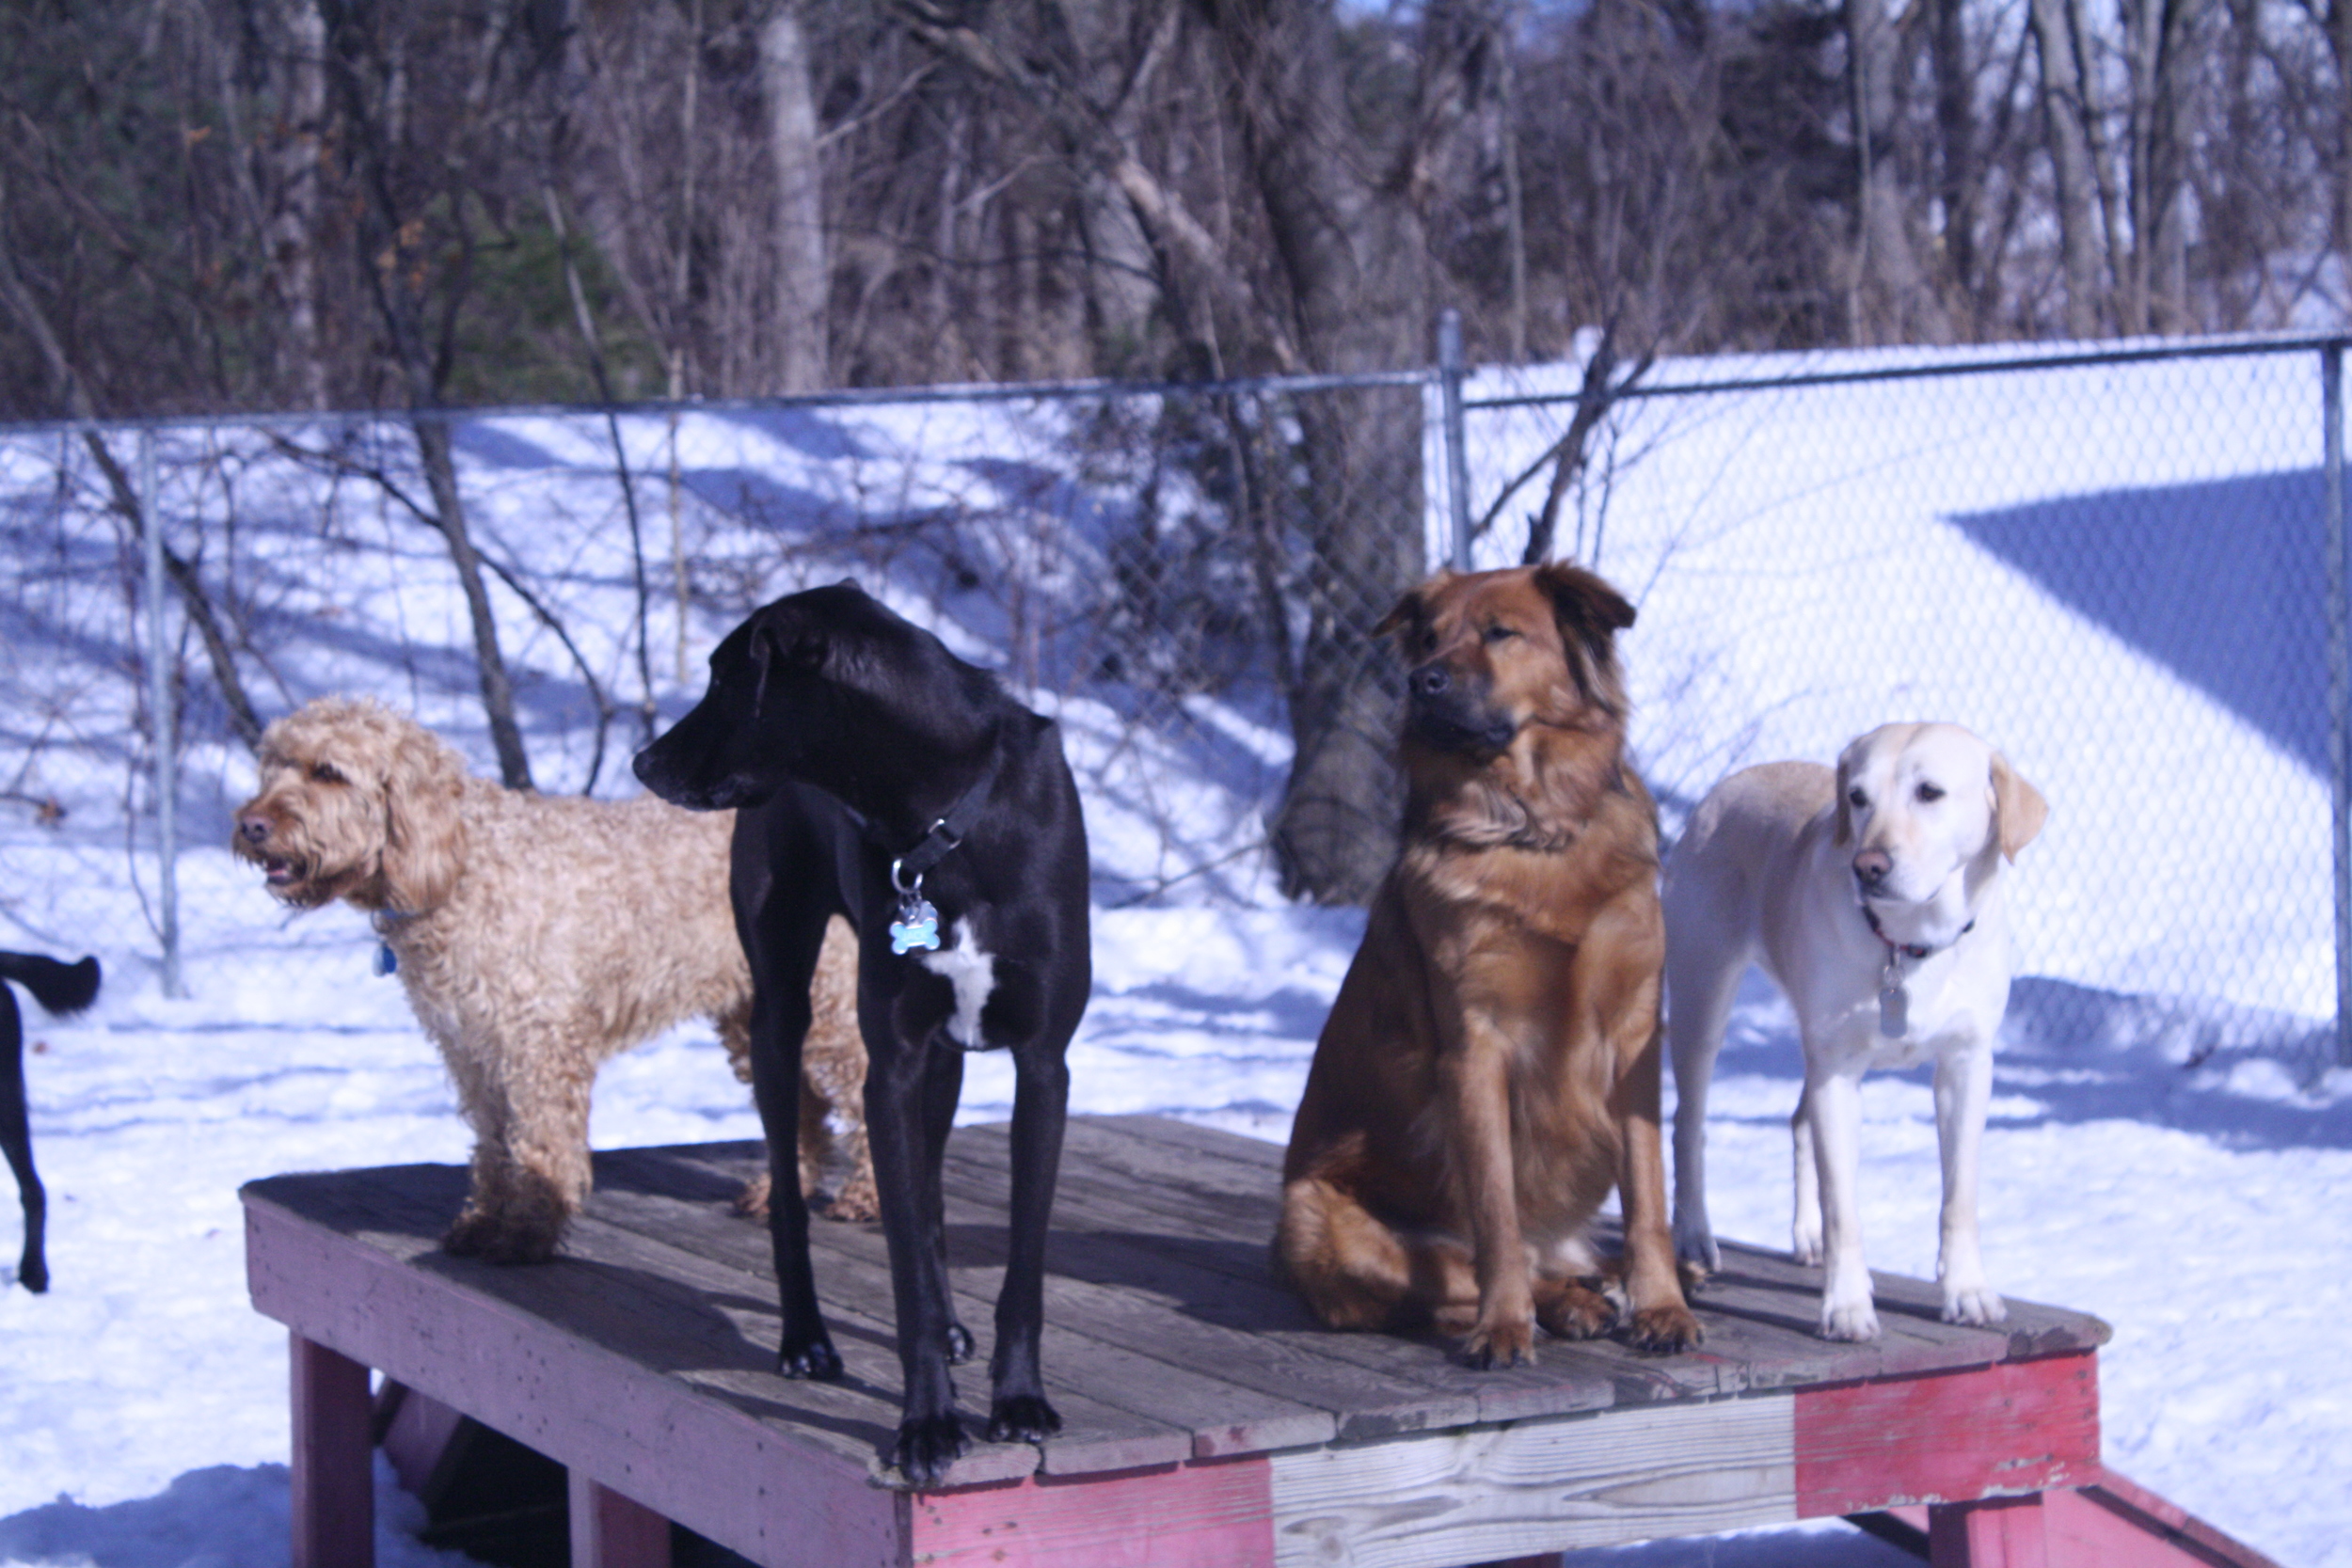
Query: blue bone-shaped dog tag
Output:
(917,926)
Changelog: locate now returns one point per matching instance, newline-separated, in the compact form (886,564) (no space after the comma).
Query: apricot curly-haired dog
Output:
(535,935)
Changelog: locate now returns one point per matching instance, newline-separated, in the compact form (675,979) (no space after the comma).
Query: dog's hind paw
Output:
(492,1240)
(1022,1418)
(1849,1325)
(816,1362)
(959,1344)
(925,1446)
(1664,1329)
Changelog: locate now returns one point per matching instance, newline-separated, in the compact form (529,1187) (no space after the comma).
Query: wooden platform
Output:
(1207,1420)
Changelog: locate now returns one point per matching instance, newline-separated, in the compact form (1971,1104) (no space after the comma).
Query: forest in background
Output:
(411,206)
(209,205)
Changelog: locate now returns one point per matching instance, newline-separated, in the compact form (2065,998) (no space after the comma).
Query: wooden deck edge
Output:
(587,1408)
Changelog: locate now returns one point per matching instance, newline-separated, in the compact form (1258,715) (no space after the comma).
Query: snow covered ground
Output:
(2168,1147)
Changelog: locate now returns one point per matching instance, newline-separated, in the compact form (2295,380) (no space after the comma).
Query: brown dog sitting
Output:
(1490,1069)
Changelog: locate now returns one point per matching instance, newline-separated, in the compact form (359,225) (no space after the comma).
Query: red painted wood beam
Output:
(334,1486)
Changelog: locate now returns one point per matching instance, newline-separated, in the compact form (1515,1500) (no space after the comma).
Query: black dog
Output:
(875,774)
(60,988)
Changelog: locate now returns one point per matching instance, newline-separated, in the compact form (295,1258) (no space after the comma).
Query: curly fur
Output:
(535,937)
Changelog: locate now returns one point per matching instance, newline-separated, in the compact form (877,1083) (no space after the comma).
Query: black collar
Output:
(908,870)
(1911,950)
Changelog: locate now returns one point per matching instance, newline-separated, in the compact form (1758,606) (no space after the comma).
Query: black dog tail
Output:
(59,988)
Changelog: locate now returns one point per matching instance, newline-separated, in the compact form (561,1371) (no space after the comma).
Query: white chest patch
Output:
(972,971)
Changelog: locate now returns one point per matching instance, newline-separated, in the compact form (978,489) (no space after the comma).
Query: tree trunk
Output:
(1353,259)
(297,45)
(2063,107)
(803,278)
(1893,300)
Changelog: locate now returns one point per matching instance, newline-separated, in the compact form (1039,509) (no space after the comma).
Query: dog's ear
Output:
(1584,604)
(1589,613)
(424,838)
(1410,613)
(2018,808)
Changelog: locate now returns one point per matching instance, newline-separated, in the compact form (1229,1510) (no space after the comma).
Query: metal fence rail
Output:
(2124,566)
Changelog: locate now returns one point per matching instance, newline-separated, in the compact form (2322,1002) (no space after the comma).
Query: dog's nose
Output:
(254,829)
(1872,865)
(1430,680)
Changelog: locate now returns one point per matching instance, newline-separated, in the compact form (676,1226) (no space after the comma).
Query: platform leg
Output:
(613,1531)
(1992,1532)
(334,1485)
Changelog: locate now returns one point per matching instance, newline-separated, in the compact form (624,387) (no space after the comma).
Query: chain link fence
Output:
(2113,565)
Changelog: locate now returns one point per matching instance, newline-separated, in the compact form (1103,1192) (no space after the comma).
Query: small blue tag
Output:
(387,962)
(917,926)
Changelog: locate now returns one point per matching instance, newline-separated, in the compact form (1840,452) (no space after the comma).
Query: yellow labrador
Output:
(1873,898)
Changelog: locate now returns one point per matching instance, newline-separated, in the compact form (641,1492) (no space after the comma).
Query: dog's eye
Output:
(1501,634)
(325,772)
(1858,798)
(1930,793)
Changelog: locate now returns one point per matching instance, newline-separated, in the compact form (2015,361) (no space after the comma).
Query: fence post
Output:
(2339,680)
(159,705)
(1456,435)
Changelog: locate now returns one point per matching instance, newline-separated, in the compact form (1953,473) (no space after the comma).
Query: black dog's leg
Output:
(1018,1410)
(16,1139)
(782,934)
(904,1085)
(943,1087)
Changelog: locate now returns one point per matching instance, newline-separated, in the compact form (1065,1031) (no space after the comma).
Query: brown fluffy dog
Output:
(1490,1069)
(535,936)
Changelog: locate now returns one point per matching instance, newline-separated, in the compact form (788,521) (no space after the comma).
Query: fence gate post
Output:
(2338,681)
(159,706)
(1456,434)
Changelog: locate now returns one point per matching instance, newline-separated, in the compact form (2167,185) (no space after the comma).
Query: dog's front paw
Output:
(1804,1246)
(925,1446)
(1978,1306)
(476,1234)
(959,1344)
(1510,1342)
(813,1360)
(33,1274)
(1852,1322)
(1022,1418)
(1667,1329)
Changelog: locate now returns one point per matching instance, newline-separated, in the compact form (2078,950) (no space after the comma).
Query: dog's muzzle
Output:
(1445,716)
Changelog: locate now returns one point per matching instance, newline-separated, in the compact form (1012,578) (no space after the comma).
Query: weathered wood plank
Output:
(1508,1491)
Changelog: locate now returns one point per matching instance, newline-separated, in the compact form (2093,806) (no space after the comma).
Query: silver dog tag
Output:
(1893,1003)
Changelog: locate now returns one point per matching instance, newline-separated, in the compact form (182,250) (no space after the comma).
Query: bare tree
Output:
(415,245)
